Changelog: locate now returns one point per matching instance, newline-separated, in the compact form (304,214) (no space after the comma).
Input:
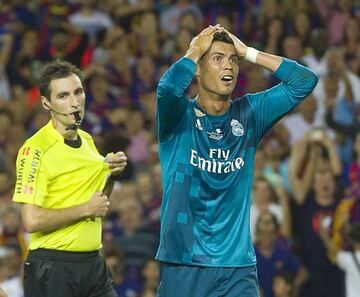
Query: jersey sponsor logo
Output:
(28,189)
(20,176)
(236,128)
(224,165)
(26,151)
(27,176)
(217,135)
(34,166)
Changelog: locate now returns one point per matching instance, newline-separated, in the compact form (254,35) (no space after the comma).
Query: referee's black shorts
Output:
(53,273)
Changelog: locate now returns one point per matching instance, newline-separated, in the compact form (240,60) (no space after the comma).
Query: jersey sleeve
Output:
(31,179)
(171,100)
(297,82)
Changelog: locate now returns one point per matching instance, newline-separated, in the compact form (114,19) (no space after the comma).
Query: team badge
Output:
(236,128)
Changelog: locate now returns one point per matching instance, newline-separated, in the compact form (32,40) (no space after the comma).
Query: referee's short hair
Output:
(54,70)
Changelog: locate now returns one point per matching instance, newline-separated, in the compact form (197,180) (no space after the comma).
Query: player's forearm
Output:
(298,80)
(38,219)
(268,61)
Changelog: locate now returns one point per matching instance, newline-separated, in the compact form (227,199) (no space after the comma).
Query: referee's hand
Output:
(98,205)
(117,162)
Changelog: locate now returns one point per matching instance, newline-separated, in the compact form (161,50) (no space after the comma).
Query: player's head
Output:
(219,67)
(62,91)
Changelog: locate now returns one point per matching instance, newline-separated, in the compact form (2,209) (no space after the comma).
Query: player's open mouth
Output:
(227,78)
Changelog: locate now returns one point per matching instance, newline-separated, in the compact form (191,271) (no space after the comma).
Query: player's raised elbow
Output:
(312,80)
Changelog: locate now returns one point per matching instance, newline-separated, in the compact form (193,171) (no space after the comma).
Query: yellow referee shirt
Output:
(52,174)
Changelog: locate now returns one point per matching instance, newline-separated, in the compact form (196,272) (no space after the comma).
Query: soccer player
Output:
(207,150)
(60,178)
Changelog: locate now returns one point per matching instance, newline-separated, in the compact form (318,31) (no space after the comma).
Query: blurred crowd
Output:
(305,215)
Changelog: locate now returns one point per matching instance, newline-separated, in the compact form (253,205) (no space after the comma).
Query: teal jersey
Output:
(208,162)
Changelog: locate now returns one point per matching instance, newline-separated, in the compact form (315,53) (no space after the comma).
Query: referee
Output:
(60,178)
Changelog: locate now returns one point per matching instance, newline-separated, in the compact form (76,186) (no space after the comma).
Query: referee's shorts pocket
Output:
(29,274)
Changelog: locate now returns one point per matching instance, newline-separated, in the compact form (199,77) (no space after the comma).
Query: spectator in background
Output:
(315,58)
(145,74)
(274,200)
(347,260)
(136,240)
(6,185)
(283,284)
(144,37)
(6,43)
(302,28)
(6,121)
(314,165)
(139,148)
(150,275)
(170,16)
(123,285)
(334,14)
(11,270)
(274,35)
(302,120)
(11,229)
(90,19)
(274,255)
(293,48)
(351,39)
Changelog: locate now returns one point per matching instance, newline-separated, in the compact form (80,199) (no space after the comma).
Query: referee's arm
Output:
(38,219)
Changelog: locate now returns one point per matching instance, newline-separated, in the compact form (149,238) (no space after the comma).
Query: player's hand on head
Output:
(240,47)
(201,43)
(117,162)
(98,205)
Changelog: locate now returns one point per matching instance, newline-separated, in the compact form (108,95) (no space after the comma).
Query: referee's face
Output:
(67,96)
(218,70)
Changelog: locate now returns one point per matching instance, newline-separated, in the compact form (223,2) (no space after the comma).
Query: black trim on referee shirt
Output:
(73,143)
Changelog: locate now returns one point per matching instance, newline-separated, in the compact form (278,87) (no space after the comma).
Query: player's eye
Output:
(234,60)
(79,92)
(62,96)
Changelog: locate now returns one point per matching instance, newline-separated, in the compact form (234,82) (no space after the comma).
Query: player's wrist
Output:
(193,54)
(251,54)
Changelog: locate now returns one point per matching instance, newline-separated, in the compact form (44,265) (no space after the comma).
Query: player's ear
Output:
(45,102)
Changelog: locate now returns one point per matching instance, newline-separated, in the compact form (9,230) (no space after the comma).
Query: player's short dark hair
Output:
(54,70)
(223,37)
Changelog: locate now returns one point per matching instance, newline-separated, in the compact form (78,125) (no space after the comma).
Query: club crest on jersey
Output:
(217,134)
(236,128)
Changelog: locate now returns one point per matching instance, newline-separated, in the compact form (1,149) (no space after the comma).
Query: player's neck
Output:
(67,133)
(211,105)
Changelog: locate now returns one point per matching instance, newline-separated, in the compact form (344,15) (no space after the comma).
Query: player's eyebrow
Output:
(64,93)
